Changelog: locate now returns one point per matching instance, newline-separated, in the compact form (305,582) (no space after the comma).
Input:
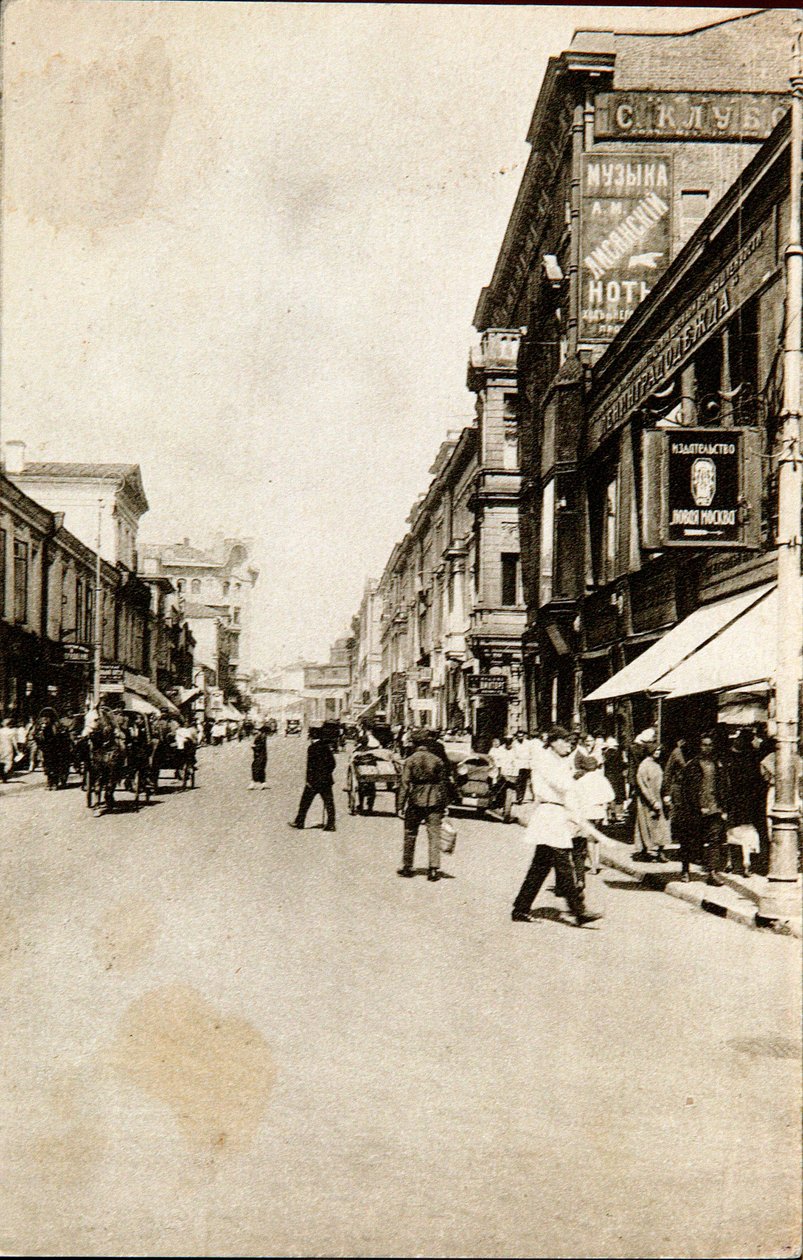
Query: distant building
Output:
(92,497)
(219,578)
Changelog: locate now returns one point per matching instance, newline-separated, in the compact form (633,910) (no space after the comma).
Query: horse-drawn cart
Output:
(372,770)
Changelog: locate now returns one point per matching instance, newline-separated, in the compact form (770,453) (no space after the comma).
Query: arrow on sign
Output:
(645,260)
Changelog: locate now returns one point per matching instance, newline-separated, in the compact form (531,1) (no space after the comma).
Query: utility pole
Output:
(782,889)
(98,631)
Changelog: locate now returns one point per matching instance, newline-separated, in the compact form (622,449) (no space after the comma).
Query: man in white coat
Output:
(553,826)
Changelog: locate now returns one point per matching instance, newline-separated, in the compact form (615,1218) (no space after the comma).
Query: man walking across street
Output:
(707,793)
(320,776)
(553,827)
(422,799)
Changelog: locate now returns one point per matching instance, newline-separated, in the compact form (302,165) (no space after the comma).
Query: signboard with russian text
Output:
(75,653)
(701,488)
(112,678)
(487,684)
(625,236)
(646,115)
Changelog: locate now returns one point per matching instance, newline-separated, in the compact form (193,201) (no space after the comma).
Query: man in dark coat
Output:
(706,790)
(320,775)
(422,799)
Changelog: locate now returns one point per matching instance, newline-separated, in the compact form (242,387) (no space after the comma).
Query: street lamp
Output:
(782,892)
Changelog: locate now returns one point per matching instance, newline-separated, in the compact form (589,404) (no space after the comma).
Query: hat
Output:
(420,735)
(557,732)
(648,736)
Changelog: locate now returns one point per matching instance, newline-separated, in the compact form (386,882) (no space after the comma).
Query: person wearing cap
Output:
(320,776)
(553,826)
(423,797)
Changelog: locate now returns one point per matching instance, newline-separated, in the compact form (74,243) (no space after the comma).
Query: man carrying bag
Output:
(422,799)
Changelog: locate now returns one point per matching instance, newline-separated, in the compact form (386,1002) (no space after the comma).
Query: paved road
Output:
(223,1037)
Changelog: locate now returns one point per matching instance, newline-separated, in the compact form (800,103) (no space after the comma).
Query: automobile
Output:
(474,783)
(293,726)
(372,770)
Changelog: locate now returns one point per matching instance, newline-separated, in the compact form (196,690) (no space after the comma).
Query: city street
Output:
(217,1028)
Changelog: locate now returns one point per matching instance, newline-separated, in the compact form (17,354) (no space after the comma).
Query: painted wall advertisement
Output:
(626,234)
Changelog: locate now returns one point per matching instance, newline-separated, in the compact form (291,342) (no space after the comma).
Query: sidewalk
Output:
(737,900)
(23,782)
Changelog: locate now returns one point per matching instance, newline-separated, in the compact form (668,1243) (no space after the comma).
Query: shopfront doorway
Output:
(490,721)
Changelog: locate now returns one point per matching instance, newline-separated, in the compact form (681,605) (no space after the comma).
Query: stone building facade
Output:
(634,140)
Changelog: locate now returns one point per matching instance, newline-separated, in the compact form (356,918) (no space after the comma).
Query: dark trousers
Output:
(414,816)
(308,796)
(544,860)
(712,835)
(508,797)
(522,779)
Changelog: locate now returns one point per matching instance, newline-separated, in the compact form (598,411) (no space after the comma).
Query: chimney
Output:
(15,457)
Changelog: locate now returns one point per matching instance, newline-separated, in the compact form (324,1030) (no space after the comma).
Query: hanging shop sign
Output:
(112,678)
(701,488)
(75,653)
(486,684)
(625,236)
(648,115)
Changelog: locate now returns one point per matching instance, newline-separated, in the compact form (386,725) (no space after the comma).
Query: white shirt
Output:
(552,778)
(8,744)
(521,754)
(504,761)
(184,734)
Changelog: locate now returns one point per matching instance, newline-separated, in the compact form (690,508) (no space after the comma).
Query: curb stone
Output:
(694,895)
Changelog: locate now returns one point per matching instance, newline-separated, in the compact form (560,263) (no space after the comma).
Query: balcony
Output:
(498,351)
(497,624)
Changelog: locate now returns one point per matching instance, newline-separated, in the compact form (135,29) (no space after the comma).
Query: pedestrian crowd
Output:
(710,800)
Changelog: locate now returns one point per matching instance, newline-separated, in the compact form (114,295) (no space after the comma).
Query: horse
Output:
(107,746)
(137,772)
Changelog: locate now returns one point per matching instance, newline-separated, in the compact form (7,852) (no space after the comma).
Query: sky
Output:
(242,245)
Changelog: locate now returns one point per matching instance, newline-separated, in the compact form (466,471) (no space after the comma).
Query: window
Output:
(226,589)
(20,580)
(180,586)
(79,610)
(236,616)
(511,570)
(236,588)
(608,559)
(547,542)
(693,209)
(196,586)
(3,545)
(88,612)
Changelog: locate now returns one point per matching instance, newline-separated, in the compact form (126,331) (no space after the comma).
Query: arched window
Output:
(226,589)
(180,586)
(196,586)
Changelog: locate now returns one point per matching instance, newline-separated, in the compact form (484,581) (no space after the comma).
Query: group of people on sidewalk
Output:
(707,803)
(713,802)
